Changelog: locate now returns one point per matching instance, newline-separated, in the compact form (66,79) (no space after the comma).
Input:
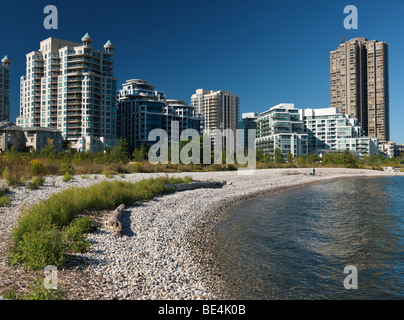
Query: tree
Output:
(261,156)
(278,156)
(120,153)
(66,145)
(289,156)
(349,160)
(144,149)
(140,154)
(137,155)
(49,149)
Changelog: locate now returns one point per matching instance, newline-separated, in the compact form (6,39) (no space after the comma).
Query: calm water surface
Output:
(295,244)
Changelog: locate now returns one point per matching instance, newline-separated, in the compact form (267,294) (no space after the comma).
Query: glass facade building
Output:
(281,127)
(248,121)
(331,131)
(141,109)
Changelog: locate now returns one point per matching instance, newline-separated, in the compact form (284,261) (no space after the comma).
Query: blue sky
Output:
(267,52)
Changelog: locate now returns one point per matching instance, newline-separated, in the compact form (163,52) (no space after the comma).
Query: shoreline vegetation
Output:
(47,231)
(19,168)
(184,221)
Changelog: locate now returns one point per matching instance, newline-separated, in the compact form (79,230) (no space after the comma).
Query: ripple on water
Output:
(295,244)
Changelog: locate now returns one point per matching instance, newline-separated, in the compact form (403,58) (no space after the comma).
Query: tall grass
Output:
(37,291)
(35,182)
(5,199)
(49,229)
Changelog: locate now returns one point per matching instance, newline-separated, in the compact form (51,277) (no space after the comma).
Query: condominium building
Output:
(359,84)
(331,130)
(70,87)
(5,89)
(281,127)
(220,109)
(359,146)
(141,108)
(248,122)
(390,149)
(178,110)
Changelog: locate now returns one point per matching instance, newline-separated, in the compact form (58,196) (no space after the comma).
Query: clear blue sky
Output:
(267,52)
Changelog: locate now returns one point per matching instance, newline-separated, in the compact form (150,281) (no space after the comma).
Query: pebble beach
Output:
(163,252)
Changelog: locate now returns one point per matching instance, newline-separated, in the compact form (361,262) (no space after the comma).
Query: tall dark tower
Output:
(359,85)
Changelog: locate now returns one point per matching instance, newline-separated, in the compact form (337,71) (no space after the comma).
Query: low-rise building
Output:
(389,149)
(360,146)
(39,137)
(330,130)
(31,138)
(399,149)
(11,136)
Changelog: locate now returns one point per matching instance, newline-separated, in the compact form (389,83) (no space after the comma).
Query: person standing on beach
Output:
(314,172)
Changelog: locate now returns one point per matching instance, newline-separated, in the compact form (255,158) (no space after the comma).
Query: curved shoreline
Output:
(164,250)
(202,235)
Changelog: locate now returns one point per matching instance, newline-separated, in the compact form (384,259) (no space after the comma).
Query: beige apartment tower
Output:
(70,87)
(220,109)
(359,84)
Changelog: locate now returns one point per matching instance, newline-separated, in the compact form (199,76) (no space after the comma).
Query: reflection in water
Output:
(295,244)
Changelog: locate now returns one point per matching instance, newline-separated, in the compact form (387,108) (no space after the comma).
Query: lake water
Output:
(296,244)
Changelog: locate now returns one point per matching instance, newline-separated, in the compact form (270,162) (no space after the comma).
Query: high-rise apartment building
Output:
(220,109)
(5,89)
(141,108)
(359,84)
(70,87)
(187,117)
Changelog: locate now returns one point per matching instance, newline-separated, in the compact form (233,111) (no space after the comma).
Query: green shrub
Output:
(5,200)
(108,174)
(67,177)
(43,247)
(85,176)
(13,177)
(3,190)
(75,234)
(49,228)
(66,168)
(85,224)
(135,167)
(36,167)
(35,183)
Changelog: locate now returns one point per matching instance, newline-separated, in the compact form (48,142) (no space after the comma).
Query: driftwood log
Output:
(198,185)
(113,223)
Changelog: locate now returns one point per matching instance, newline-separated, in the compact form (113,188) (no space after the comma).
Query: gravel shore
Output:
(163,252)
